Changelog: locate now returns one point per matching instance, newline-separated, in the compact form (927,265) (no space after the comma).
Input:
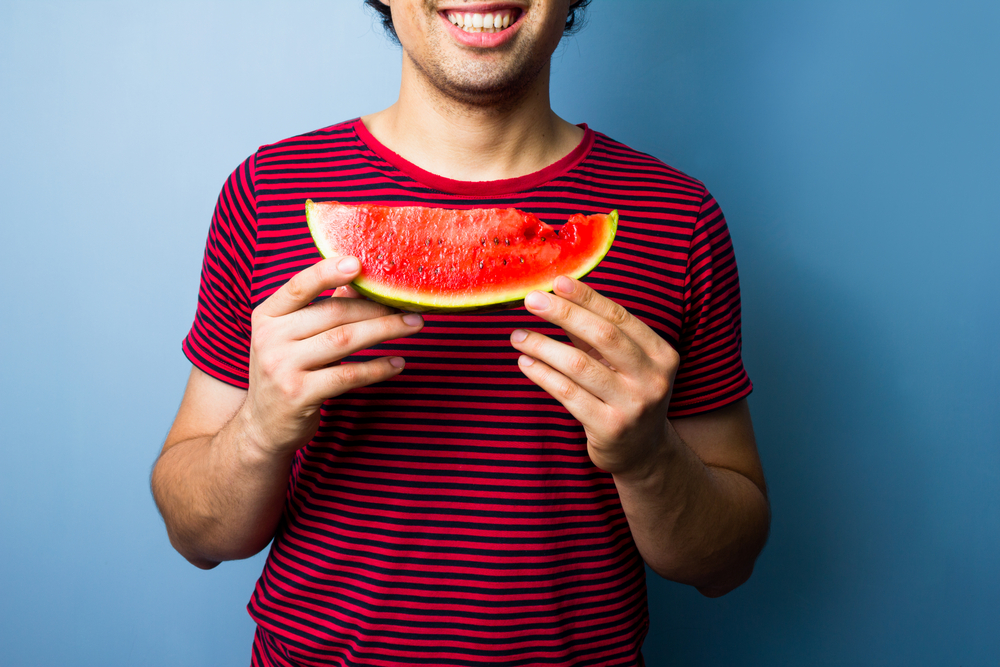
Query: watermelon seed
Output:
(480,265)
(505,262)
(420,269)
(428,241)
(483,242)
(496,241)
(437,271)
(440,241)
(507,241)
(522,260)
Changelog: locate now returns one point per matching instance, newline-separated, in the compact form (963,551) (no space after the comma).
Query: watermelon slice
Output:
(440,260)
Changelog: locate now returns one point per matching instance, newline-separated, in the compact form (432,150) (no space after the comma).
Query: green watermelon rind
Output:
(413,301)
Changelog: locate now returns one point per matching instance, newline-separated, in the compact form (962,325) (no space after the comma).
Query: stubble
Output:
(498,83)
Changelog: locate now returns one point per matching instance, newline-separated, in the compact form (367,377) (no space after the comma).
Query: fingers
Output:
(570,363)
(333,344)
(586,316)
(588,348)
(292,335)
(296,344)
(347,292)
(327,313)
(309,283)
(616,358)
(342,378)
(597,332)
(582,404)
(616,379)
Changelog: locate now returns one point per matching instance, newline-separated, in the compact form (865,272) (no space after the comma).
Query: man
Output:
(495,502)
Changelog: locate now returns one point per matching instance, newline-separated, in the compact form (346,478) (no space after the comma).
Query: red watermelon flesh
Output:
(436,259)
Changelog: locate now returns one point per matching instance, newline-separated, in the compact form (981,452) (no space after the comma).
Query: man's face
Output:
(450,43)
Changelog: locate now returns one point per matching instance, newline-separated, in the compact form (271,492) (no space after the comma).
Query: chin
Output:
(485,86)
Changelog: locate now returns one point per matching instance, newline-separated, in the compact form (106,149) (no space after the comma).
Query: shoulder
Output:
(326,138)
(621,158)
(656,197)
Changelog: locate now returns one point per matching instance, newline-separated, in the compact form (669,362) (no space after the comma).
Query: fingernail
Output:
(565,285)
(348,265)
(413,319)
(397,362)
(518,335)
(537,300)
(525,360)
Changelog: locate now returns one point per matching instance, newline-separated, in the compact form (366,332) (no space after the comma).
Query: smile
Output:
(491,22)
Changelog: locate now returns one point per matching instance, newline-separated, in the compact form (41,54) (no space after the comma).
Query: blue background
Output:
(853,145)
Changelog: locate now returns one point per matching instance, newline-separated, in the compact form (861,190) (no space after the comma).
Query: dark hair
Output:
(574,21)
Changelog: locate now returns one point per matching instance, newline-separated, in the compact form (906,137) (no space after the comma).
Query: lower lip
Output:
(482,40)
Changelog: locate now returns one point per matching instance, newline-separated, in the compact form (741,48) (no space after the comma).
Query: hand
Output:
(296,347)
(616,381)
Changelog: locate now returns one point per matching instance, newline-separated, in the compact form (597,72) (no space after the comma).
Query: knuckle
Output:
(350,375)
(669,358)
(271,366)
(579,363)
(259,348)
(608,334)
(291,389)
(584,292)
(618,315)
(660,386)
(564,309)
(262,345)
(566,389)
(262,331)
(294,288)
(257,319)
(267,364)
(558,308)
(339,338)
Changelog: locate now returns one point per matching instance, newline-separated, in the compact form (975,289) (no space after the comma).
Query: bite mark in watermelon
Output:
(440,260)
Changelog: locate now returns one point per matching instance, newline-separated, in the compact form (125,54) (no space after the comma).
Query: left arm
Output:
(693,488)
(699,513)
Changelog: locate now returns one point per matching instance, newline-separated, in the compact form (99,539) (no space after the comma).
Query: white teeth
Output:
(492,22)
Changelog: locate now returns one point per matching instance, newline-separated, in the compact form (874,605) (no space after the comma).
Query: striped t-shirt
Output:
(450,515)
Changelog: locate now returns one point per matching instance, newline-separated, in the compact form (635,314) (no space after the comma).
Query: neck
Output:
(474,140)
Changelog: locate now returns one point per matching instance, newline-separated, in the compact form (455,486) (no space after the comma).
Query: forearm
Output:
(221,498)
(694,523)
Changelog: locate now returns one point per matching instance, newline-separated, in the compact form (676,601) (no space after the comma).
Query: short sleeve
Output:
(711,373)
(219,340)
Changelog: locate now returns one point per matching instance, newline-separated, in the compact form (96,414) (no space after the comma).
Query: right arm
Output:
(221,478)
